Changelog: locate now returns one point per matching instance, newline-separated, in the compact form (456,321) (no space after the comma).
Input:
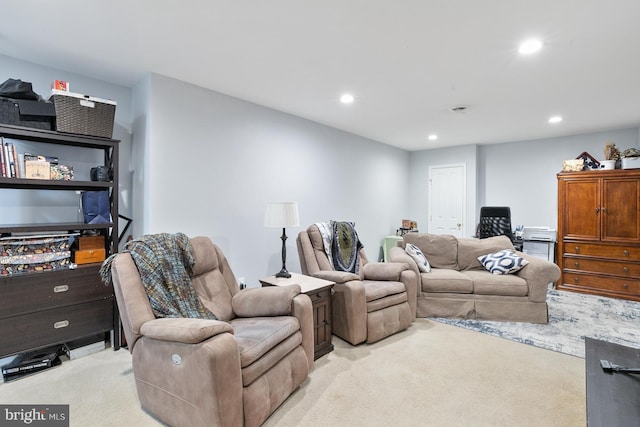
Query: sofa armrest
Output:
(268,301)
(336,276)
(384,270)
(538,274)
(398,254)
(184,330)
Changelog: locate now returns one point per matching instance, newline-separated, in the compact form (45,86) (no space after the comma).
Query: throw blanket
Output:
(165,263)
(341,244)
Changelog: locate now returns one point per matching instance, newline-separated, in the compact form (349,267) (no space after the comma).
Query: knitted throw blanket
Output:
(165,263)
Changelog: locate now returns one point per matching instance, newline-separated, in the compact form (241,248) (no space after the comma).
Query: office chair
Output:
(495,221)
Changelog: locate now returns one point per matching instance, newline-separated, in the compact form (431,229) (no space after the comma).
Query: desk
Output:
(613,399)
(319,290)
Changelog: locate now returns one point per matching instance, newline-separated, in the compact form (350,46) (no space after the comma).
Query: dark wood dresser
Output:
(599,232)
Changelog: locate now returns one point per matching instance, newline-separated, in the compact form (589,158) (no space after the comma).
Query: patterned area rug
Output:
(572,317)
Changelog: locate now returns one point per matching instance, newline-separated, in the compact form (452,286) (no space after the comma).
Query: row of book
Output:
(30,166)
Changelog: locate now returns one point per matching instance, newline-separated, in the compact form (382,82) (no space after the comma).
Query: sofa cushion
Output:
(485,283)
(503,262)
(417,255)
(446,280)
(469,249)
(440,249)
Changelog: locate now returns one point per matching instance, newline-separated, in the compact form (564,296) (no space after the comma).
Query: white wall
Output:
(212,162)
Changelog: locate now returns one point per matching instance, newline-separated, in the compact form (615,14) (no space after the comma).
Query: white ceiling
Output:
(405,61)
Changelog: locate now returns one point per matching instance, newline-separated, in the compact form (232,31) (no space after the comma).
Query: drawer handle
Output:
(576,279)
(577,249)
(61,324)
(577,264)
(61,288)
(626,269)
(625,286)
(626,252)
(318,295)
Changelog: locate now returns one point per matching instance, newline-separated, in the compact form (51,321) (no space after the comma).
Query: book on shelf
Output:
(3,171)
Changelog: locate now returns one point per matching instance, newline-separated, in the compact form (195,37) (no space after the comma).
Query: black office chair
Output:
(495,221)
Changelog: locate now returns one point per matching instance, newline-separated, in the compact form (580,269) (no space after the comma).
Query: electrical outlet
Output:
(242,283)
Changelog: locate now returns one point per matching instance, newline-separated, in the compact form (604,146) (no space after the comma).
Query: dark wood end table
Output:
(319,290)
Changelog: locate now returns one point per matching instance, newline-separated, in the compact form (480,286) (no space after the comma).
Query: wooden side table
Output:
(319,290)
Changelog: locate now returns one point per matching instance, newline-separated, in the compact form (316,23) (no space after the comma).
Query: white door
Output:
(447,195)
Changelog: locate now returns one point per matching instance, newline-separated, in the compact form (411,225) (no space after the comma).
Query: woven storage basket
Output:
(82,114)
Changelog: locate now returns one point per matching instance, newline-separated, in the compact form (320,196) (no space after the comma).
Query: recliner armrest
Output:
(268,301)
(336,276)
(184,330)
(384,270)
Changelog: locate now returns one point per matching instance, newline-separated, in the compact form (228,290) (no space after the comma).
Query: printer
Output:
(544,234)
(539,242)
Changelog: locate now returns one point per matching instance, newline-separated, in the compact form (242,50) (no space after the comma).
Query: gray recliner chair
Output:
(234,371)
(377,302)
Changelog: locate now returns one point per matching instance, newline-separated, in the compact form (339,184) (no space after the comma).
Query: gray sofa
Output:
(459,285)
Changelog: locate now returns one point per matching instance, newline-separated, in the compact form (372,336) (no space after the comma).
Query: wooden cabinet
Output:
(53,307)
(599,232)
(319,291)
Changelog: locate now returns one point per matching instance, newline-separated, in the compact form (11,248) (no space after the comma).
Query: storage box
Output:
(27,113)
(88,256)
(82,114)
(631,163)
(90,242)
(33,254)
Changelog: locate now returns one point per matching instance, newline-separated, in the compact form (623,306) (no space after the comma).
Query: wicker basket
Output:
(84,115)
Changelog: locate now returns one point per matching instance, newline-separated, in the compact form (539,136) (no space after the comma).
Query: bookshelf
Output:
(53,307)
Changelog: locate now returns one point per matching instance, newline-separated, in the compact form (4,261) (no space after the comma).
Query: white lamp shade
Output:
(282,215)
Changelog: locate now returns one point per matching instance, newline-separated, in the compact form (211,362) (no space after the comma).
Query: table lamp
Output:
(282,215)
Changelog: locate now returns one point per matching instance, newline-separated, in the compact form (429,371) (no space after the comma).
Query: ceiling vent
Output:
(459,109)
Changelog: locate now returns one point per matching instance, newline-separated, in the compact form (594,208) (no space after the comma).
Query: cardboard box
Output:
(88,256)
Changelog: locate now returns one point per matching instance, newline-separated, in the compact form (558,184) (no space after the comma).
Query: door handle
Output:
(597,210)
(604,210)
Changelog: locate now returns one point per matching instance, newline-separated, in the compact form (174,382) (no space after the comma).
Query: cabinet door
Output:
(620,219)
(581,209)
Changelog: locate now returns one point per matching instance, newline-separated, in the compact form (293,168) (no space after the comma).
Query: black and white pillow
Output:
(503,262)
(417,255)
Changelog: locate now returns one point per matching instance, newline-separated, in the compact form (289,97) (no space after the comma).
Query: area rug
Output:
(572,317)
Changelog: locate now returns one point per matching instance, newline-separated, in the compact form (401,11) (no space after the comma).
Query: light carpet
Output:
(429,375)
(572,317)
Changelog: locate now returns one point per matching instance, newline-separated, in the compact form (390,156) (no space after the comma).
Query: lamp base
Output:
(283,273)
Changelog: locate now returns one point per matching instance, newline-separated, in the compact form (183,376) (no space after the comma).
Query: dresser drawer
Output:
(318,296)
(55,326)
(618,268)
(614,286)
(40,291)
(622,252)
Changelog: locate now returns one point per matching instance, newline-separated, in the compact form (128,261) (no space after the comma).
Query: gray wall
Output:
(211,163)
(520,174)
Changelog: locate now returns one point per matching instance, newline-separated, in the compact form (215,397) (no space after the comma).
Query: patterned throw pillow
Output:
(503,262)
(417,255)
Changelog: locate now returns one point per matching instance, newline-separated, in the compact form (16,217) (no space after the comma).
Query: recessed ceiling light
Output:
(530,46)
(432,137)
(347,98)
(555,119)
